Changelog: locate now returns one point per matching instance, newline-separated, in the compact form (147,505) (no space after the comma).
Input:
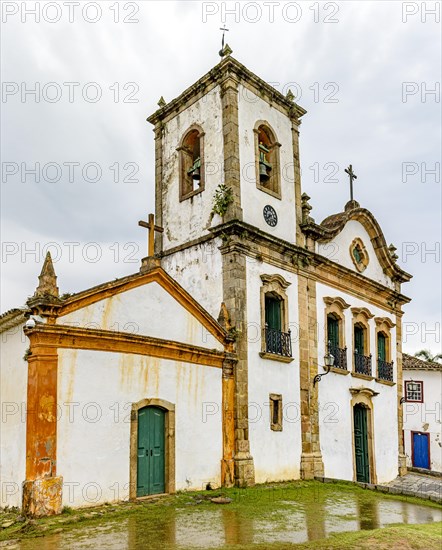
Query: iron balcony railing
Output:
(385,370)
(278,342)
(362,363)
(340,355)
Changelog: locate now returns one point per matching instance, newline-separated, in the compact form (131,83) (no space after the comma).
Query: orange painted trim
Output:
(157,275)
(41,417)
(61,336)
(228,428)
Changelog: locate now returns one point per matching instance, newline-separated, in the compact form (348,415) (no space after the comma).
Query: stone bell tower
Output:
(227,176)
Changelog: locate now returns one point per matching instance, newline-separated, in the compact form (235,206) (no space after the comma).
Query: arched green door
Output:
(361,444)
(151,451)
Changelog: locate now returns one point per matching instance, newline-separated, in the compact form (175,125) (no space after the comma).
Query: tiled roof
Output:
(12,318)
(409,362)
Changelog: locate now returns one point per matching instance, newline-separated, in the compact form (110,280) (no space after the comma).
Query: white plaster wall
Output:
(190,219)
(426,416)
(147,310)
(13,394)
(252,108)
(198,270)
(338,250)
(95,394)
(276,455)
(335,412)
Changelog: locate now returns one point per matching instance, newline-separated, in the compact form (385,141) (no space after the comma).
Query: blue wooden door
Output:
(151,455)
(421,458)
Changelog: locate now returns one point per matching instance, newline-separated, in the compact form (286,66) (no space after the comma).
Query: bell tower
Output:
(228,129)
(228,193)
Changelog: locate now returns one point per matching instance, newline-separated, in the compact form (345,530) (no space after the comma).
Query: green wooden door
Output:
(273,313)
(359,340)
(361,444)
(333,331)
(381,347)
(150,460)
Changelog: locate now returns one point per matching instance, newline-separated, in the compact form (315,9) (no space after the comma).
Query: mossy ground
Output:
(279,508)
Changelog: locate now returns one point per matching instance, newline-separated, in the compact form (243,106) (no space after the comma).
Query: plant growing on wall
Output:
(221,199)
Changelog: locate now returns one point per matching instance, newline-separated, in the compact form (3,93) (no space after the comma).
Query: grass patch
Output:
(280,508)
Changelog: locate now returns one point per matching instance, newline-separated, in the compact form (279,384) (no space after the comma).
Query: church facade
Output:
(244,351)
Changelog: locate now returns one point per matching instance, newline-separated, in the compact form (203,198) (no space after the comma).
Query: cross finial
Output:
(222,52)
(352,177)
(150,225)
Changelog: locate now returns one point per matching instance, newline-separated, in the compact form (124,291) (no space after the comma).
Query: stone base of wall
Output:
(311,465)
(42,497)
(244,472)
(227,473)
(402,465)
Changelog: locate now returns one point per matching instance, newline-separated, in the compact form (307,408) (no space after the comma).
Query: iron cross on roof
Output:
(352,177)
(221,52)
(150,225)
(224,29)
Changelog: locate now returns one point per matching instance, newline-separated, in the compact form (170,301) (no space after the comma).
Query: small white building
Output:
(209,364)
(422,413)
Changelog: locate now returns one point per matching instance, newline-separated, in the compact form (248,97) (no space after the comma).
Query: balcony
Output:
(278,342)
(340,355)
(385,370)
(362,364)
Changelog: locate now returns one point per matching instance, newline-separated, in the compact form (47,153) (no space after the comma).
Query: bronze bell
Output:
(195,170)
(263,174)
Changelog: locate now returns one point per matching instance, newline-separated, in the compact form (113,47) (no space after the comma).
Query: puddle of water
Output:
(288,521)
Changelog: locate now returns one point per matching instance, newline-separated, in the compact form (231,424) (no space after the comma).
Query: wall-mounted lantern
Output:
(329,361)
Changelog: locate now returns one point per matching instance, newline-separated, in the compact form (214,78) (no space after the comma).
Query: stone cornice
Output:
(278,279)
(362,311)
(340,302)
(44,336)
(232,70)
(364,391)
(240,236)
(384,320)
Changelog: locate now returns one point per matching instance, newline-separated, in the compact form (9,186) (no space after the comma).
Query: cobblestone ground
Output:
(419,485)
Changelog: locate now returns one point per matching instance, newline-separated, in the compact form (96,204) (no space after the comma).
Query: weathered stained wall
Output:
(426,416)
(198,269)
(147,310)
(251,109)
(191,218)
(276,453)
(13,388)
(338,251)
(95,393)
(335,412)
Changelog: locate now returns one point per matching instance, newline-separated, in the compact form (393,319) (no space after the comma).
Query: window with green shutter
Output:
(359,339)
(273,312)
(382,354)
(332,331)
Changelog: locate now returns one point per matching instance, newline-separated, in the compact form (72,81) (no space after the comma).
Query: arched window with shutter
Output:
(191,151)
(267,159)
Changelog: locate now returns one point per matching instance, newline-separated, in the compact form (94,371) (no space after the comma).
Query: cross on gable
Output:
(224,29)
(150,225)
(352,177)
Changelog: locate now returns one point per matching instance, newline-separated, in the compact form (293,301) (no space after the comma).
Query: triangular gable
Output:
(119,303)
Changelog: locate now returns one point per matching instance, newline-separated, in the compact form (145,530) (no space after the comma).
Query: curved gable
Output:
(354,227)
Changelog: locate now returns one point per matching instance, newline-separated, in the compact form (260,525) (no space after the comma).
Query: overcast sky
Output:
(365,71)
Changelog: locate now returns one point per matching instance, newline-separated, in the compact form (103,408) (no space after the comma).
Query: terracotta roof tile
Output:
(409,362)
